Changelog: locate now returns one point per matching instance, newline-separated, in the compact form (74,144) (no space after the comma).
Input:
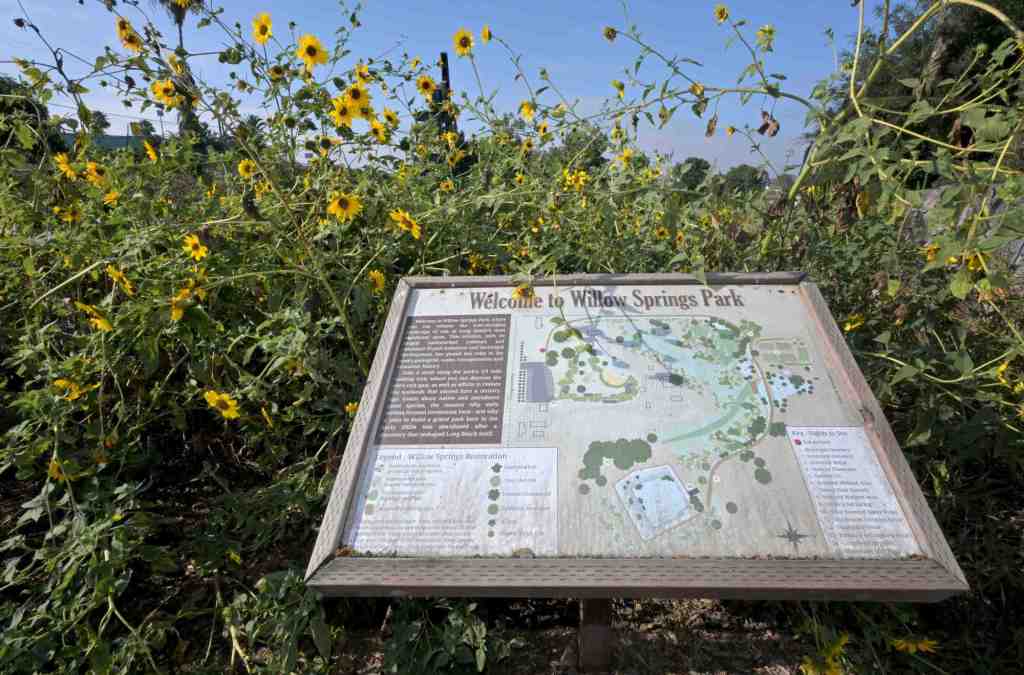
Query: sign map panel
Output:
(633,421)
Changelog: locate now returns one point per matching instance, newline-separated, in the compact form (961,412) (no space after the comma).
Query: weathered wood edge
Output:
(667,279)
(893,461)
(370,405)
(911,580)
(933,580)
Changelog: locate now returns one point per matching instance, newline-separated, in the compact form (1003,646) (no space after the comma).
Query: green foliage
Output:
(183,334)
(744,178)
(441,637)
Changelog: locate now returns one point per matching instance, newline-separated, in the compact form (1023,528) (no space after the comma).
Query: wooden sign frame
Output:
(933,576)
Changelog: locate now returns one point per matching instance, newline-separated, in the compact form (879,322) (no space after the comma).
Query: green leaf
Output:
(26,138)
(321,635)
(481,659)
(905,373)
(961,284)
(100,658)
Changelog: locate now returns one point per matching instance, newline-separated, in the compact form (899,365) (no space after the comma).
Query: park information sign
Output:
(610,436)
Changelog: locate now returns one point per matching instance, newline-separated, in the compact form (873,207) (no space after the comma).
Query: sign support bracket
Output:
(596,639)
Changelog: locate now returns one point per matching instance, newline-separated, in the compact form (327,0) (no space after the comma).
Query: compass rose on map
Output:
(793,536)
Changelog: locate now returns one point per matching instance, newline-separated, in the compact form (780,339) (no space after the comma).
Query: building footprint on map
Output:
(654,499)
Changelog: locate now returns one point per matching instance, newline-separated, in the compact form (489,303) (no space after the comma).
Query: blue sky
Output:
(563,37)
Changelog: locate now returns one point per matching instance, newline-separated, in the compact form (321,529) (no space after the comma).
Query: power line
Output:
(157,120)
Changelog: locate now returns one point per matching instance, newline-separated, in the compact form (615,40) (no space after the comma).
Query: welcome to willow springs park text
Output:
(592,298)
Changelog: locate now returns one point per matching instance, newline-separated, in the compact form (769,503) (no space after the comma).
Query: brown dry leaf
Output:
(712,125)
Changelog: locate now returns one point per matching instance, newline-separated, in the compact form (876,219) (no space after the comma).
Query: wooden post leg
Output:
(596,639)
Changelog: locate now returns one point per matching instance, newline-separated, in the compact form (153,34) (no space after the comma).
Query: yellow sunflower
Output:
(853,323)
(69,214)
(345,207)
(526,110)
(523,292)
(98,321)
(485,34)
(223,403)
(527,146)
(247,168)
(95,174)
(426,86)
(262,28)
(176,64)
(130,40)
(391,117)
(119,278)
(363,73)
(194,248)
(165,92)
(110,199)
(357,96)
(72,391)
(64,165)
(179,303)
(912,646)
(352,407)
(376,278)
(311,51)
(341,114)
(721,13)
(463,41)
(150,151)
(619,88)
(379,131)
(447,185)
(610,33)
(406,223)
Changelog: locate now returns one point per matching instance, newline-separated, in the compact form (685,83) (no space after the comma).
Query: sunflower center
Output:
(356,95)
(222,404)
(343,204)
(263,29)
(464,42)
(311,51)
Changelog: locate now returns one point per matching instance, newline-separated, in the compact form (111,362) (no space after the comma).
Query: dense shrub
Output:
(185,326)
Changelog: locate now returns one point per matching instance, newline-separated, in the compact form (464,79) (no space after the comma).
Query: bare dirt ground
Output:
(691,637)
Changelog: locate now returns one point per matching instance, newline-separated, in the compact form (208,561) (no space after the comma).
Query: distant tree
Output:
(951,47)
(584,147)
(744,178)
(252,131)
(143,129)
(689,174)
(98,121)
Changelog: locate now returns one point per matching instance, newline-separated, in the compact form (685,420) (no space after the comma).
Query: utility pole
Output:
(442,95)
